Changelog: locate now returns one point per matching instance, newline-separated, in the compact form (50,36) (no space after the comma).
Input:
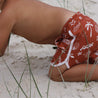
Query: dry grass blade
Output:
(14,78)
(64,3)
(58,57)
(30,86)
(67,3)
(59,3)
(91,72)
(59,72)
(20,81)
(8,90)
(83,7)
(86,80)
(31,71)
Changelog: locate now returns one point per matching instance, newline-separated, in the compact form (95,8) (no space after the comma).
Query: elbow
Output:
(57,73)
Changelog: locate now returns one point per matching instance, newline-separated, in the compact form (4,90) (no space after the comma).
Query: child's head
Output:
(2,3)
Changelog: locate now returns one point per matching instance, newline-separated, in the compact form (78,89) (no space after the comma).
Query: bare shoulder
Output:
(7,21)
(8,14)
(15,9)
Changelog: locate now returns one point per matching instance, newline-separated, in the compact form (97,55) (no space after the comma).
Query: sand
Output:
(40,57)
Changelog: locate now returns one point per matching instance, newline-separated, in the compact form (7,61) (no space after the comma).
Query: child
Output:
(45,24)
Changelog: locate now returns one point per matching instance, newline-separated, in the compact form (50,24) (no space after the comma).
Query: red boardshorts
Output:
(79,38)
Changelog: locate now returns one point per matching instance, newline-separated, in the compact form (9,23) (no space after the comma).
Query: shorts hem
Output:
(60,64)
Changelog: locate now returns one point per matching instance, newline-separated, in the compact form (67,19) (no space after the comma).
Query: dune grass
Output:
(92,71)
(19,83)
(84,11)
(8,90)
(59,3)
(58,71)
(86,80)
(14,78)
(64,3)
(31,74)
(67,3)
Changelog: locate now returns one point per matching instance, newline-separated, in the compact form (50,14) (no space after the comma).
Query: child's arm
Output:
(6,24)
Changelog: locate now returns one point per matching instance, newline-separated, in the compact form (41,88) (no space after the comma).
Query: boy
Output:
(42,23)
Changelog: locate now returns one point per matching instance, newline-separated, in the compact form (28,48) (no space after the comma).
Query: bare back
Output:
(37,21)
(34,20)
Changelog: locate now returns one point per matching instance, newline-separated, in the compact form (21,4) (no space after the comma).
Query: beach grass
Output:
(14,78)
(83,7)
(58,71)
(59,3)
(86,81)
(64,3)
(20,81)
(31,74)
(8,90)
(92,71)
(67,3)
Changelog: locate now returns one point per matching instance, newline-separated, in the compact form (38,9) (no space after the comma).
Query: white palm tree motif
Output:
(89,26)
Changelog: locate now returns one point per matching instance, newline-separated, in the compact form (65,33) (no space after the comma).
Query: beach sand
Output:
(40,57)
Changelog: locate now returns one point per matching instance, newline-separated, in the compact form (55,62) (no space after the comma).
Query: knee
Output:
(55,73)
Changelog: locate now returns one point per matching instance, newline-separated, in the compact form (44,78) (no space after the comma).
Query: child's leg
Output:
(76,73)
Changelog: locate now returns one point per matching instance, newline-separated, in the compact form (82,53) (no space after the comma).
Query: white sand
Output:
(40,57)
